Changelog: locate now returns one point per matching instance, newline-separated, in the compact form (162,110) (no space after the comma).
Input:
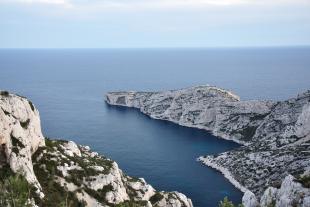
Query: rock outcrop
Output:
(94,180)
(275,135)
(63,173)
(20,134)
(291,193)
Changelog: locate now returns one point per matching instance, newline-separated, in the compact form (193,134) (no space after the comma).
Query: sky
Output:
(153,23)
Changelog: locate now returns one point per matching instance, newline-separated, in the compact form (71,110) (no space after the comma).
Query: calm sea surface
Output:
(68,87)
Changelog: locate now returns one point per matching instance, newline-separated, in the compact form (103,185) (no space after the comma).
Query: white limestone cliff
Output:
(20,134)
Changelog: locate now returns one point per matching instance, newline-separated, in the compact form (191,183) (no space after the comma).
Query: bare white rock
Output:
(174,199)
(143,190)
(290,194)
(269,197)
(71,149)
(249,199)
(20,135)
(118,193)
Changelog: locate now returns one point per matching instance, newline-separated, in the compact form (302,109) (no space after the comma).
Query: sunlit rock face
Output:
(62,171)
(275,135)
(20,134)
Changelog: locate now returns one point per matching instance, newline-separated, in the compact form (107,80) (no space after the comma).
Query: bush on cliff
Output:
(227,203)
(14,189)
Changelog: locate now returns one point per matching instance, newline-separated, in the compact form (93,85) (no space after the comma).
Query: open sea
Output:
(68,87)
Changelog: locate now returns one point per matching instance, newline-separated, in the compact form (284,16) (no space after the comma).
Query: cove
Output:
(165,155)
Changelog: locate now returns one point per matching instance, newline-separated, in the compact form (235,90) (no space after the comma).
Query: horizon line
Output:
(204,47)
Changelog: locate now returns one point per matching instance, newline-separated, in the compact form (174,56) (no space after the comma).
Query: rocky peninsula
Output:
(272,166)
(38,171)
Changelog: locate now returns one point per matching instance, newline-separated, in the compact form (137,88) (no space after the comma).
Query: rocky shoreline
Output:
(62,173)
(275,137)
(224,171)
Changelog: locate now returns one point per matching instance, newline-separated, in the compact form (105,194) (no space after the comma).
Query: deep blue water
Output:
(68,87)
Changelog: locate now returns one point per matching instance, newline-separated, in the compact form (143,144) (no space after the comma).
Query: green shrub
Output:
(55,194)
(31,105)
(14,191)
(25,124)
(16,144)
(228,203)
(156,197)
(132,204)
(304,180)
(4,93)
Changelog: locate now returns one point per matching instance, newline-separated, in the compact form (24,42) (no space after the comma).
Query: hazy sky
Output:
(153,23)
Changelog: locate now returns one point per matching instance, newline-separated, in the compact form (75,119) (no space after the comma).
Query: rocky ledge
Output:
(37,171)
(275,137)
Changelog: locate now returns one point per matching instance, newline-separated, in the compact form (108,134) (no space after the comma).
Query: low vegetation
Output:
(132,204)
(46,172)
(304,180)
(156,197)
(14,189)
(4,93)
(25,124)
(227,203)
(31,105)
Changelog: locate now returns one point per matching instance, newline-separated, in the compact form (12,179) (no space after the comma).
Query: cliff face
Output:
(20,134)
(280,146)
(216,110)
(275,135)
(64,173)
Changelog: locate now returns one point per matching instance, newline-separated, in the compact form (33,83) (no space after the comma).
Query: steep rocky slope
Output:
(275,135)
(62,173)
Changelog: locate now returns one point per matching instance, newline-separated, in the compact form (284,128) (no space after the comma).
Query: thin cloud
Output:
(152,4)
(62,3)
